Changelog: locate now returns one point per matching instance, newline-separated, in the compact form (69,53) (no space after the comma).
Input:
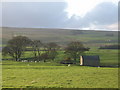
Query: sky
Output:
(72,14)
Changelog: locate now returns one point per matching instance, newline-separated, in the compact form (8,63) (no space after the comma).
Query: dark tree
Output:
(52,49)
(16,47)
(75,49)
(36,48)
(44,57)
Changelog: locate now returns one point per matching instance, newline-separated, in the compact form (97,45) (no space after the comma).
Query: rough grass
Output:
(44,75)
(61,36)
(54,75)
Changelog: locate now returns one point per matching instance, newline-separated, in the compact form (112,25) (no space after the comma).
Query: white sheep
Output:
(25,61)
(68,65)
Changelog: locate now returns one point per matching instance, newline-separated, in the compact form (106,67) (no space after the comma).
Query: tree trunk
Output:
(44,60)
(16,58)
(75,54)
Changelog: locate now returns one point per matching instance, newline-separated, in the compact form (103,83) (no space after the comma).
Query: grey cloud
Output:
(119,11)
(105,13)
(119,15)
(0,14)
(34,14)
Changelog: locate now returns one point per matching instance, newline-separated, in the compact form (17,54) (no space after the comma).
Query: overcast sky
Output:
(101,15)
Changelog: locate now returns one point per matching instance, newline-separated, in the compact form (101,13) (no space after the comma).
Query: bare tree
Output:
(44,56)
(52,49)
(75,49)
(16,47)
(36,47)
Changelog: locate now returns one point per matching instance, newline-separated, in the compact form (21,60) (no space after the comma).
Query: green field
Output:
(107,57)
(52,75)
(55,75)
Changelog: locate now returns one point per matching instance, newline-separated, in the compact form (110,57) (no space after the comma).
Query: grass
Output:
(107,57)
(55,75)
(44,75)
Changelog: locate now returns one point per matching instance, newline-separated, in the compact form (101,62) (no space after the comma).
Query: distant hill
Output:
(62,36)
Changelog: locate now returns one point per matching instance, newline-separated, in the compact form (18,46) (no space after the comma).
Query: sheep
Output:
(25,60)
(68,65)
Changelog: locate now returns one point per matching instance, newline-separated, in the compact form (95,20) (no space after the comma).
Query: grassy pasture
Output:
(52,75)
(55,75)
(107,57)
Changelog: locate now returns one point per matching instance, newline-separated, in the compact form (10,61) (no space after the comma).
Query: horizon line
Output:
(60,28)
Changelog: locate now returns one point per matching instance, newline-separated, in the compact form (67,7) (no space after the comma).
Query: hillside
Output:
(62,36)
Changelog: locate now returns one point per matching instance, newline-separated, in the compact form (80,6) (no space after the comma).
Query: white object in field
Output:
(24,60)
(81,60)
(98,66)
(68,65)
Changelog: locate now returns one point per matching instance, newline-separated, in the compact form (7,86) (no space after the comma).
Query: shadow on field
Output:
(107,66)
(115,66)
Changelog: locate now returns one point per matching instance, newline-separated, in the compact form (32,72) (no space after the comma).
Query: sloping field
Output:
(63,36)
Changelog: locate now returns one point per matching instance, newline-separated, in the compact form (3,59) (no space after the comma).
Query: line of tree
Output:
(17,46)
